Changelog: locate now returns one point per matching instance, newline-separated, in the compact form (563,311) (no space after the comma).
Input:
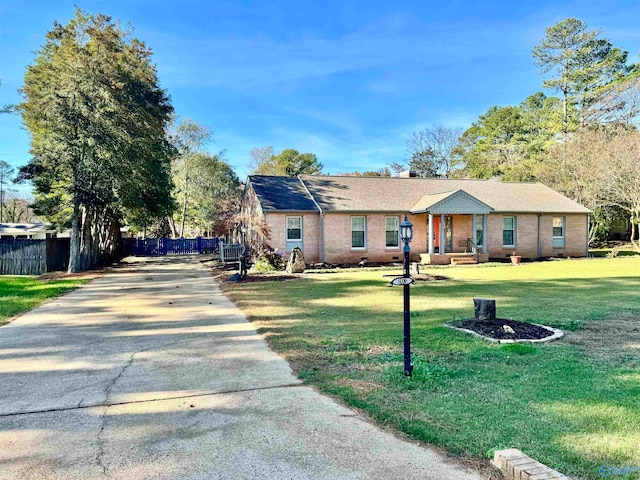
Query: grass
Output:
(23,293)
(573,405)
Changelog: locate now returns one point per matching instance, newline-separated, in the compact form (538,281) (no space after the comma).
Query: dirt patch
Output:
(612,339)
(89,275)
(360,387)
(426,277)
(515,331)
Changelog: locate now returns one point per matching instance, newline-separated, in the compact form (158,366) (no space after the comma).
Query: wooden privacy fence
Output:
(173,246)
(33,257)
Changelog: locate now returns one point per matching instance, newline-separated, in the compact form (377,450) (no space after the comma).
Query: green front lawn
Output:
(20,294)
(573,405)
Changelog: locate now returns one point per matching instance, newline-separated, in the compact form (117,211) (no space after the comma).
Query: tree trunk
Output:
(184,214)
(85,240)
(634,223)
(75,239)
(172,226)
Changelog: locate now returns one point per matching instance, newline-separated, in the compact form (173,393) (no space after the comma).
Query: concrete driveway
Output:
(150,372)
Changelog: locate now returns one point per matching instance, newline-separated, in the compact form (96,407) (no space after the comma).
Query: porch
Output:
(456,228)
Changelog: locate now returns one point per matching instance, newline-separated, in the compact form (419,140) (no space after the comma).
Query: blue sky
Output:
(346,80)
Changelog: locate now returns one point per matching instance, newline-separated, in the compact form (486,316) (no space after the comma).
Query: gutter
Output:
(321,218)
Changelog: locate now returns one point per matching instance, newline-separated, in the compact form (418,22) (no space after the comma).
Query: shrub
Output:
(268,260)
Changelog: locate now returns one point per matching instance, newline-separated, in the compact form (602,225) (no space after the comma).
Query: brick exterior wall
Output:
(527,236)
(338,236)
(277,223)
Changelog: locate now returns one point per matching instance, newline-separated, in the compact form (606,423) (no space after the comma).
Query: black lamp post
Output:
(244,252)
(406,234)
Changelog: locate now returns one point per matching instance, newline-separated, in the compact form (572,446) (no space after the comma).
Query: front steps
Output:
(468,260)
(453,259)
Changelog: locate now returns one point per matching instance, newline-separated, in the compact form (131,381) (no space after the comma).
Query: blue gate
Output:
(174,246)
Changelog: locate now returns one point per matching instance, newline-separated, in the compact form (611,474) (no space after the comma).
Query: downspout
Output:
(586,253)
(321,218)
(539,216)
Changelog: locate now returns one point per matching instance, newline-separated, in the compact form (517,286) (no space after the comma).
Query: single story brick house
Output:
(341,219)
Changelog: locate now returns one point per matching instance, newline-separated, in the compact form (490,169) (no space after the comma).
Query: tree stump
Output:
(484,308)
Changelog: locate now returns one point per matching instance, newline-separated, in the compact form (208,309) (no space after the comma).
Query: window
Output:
(294,228)
(558,232)
(509,231)
(358,232)
(480,232)
(392,232)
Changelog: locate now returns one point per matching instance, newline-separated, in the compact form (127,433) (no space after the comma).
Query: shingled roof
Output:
(282,193)
(395,194)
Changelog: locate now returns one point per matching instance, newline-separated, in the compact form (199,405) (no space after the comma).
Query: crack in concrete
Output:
(150,400)
(107,391)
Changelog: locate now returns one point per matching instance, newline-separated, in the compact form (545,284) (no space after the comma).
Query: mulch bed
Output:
(253,278)
(494,329)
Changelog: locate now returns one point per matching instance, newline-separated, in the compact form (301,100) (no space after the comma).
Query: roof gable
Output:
(458,202)
(281,194)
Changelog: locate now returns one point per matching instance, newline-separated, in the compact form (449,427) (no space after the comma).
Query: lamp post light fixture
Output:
(406,234)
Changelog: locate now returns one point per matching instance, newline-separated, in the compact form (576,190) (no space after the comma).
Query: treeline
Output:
(582,141)
(106,148)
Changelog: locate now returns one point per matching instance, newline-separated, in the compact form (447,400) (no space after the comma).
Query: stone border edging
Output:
(557,334)
(515,465)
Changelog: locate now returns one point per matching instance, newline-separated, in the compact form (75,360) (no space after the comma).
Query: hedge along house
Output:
(337,219)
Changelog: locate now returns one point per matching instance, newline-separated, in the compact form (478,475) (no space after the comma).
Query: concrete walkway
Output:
(150,372)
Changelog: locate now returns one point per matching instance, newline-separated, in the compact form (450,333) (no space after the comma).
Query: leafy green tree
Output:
(381,172)
(584,67)
(97,120)
(289,163)
(216,194)
(208,190)
(189,139)
(509,141)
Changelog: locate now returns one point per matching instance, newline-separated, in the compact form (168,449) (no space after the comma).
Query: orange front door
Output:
(436,231)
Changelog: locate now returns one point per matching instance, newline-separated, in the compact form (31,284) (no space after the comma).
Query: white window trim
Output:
(364,217)
(564,232)
(397,217)
(515,229)
(286,229)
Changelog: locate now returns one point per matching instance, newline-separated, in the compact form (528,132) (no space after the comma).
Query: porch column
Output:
(431,246)
(485,234)
(474,229)
(443,240)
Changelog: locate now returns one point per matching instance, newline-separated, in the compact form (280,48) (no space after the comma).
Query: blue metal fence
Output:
(174,246)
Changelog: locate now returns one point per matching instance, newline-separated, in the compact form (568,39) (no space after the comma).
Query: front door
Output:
(436,233)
